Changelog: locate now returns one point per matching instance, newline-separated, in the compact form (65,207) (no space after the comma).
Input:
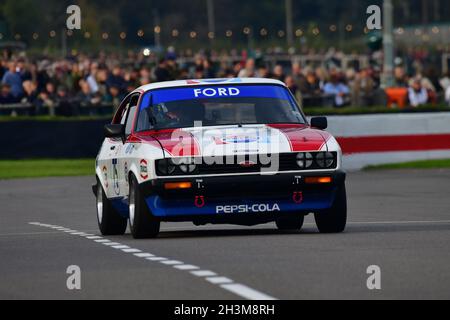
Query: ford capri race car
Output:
(236,151)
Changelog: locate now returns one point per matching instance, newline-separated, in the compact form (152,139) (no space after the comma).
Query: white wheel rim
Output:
(132,206)
(99,203)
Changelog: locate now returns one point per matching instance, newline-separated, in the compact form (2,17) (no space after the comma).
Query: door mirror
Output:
(115,131)
(319,123)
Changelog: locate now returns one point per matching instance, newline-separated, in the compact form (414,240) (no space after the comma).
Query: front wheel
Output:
(142,223)
(109,221)
(334,219)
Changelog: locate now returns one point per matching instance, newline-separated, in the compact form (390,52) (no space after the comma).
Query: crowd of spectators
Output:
(68,84)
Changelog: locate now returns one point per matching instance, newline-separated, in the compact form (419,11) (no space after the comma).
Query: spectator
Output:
(417,94)
(161,72)
(13,79)
(30,92)
(64,102)
(400,77)
(5,94)
(337,89)
(116,79)
(363,89)
(311,85)
(278,72)
(108,78)
(298,75)
(249,70)
(92,78)
(290,83)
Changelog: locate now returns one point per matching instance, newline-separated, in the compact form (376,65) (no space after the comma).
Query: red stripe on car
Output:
(394,143)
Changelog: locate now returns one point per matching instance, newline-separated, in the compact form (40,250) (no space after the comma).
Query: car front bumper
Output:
(232,197)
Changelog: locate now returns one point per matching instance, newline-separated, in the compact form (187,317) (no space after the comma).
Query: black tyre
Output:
(109,220)
(334,219)
(290,223)
(143,224)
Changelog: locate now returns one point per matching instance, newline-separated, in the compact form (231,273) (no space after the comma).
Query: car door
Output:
(114,149)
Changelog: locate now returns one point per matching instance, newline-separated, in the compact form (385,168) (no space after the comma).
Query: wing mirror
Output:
(319,123)
(115,131)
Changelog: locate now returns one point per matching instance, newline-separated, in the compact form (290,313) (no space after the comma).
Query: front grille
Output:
(248,164)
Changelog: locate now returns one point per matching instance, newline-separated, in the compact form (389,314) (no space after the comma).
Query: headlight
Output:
(304,160)
(165,166)
(187,165)
(325,159)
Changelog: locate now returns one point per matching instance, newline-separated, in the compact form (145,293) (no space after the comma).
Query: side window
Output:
(121,114)
(131,113)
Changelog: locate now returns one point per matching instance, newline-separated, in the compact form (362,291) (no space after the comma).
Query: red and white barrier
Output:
(390,138)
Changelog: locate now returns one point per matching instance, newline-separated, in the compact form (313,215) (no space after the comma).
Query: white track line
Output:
(111,244)
(186,267)
(171,262)
(246,292)
(219,280)
(143,255)
(210,276)
(204,273)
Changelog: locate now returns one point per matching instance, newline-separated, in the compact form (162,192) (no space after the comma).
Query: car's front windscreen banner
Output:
(215,92)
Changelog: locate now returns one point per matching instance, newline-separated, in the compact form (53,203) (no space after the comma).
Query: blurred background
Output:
(323,50)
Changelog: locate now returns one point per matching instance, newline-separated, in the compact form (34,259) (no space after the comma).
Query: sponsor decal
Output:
(216,92)
(245,208)
(144,169)
(105,176)
(115,177)
(125,170)
(129,149)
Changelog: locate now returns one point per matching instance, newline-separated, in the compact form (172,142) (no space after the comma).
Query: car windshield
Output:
(216,106)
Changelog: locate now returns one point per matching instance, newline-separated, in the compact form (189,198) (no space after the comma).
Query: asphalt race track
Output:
(398,220)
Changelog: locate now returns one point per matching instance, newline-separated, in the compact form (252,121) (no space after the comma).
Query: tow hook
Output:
(199,201)
(297,197)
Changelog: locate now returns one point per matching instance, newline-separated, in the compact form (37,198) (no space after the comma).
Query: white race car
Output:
(236,151)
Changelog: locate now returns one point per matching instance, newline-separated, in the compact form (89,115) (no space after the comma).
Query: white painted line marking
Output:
(171,262)
(219,280)
(111,243)
(121,246)
(204,273)
(224,282)
(102,240)
(131,250)
(156,259)
(143,255)
(246,292)
(186,267)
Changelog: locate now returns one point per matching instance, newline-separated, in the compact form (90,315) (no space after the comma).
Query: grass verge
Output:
(40,168)
(422,164)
